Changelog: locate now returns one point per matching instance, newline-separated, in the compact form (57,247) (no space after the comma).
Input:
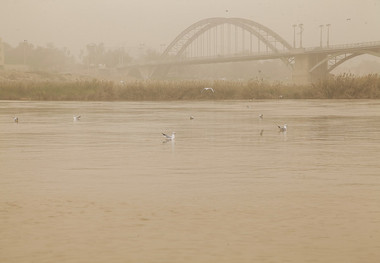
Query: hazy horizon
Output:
(132,23)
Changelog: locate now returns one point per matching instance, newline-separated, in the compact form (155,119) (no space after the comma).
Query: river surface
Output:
(229,188)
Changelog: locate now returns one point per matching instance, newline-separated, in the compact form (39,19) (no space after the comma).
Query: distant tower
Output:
(1,55)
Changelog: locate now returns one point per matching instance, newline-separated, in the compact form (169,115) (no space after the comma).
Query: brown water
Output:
(230,188)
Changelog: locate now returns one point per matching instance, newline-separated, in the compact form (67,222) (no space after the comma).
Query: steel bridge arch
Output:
(177,47)
(339,58)
(186,37)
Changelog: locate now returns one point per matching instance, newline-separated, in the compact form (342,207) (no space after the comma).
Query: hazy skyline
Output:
(130,23)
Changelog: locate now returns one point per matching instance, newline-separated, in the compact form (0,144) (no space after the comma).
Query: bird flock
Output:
(171,137)
(75,118)
(281,128)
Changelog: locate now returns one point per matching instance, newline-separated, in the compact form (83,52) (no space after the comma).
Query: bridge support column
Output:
(303,64)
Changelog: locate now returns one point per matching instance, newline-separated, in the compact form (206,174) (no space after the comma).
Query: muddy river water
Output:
(229,188)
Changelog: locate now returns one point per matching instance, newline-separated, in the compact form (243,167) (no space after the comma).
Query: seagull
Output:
(261,116)
(15,119)
(169,137)
(76,118)
(282,128)
(208,89)
(191,117)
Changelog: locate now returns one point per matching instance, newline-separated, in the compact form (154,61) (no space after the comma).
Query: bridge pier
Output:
(303,63)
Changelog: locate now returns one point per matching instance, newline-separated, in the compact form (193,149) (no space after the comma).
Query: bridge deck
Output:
(332,49)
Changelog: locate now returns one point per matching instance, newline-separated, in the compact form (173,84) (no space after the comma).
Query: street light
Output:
(328,34)
(294,35)
(91,55)
(162,48)
(320,37)
(121,56)
(301,30)
(25,43)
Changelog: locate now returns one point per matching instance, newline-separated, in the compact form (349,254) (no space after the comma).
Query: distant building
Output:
(1,54)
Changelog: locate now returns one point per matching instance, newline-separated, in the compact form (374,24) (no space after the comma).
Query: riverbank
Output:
(81,88)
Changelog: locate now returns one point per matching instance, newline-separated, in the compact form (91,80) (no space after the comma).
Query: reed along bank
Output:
(54,89)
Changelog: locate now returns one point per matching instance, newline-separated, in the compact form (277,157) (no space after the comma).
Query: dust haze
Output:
(129,24)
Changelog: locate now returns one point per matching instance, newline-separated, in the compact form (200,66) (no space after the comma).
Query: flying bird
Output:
(169,137)
(282,128)
(76,118)
(15,119)
(205,89)
(261,116)
(191,117)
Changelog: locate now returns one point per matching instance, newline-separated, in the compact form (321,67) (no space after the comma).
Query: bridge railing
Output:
(346,46)
(290,52)
(262,55)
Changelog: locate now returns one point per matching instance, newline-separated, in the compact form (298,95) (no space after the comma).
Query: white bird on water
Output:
(282,128)
(205,89)
(76,118)
(15,119)
(169,137)
(261,116)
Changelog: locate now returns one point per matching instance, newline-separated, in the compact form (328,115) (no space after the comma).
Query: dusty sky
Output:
(129,23)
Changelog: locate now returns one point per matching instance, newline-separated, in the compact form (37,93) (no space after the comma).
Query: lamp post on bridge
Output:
(301,30)
(328,34)
(294,35)
(162,48)
(25,44)
(320,35)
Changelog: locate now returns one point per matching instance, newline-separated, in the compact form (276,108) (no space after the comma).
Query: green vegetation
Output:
(81,89)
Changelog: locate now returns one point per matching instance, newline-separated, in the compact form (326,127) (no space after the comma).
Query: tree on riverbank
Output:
(47,58)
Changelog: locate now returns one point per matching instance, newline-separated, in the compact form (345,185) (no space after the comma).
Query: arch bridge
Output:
(220,39)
